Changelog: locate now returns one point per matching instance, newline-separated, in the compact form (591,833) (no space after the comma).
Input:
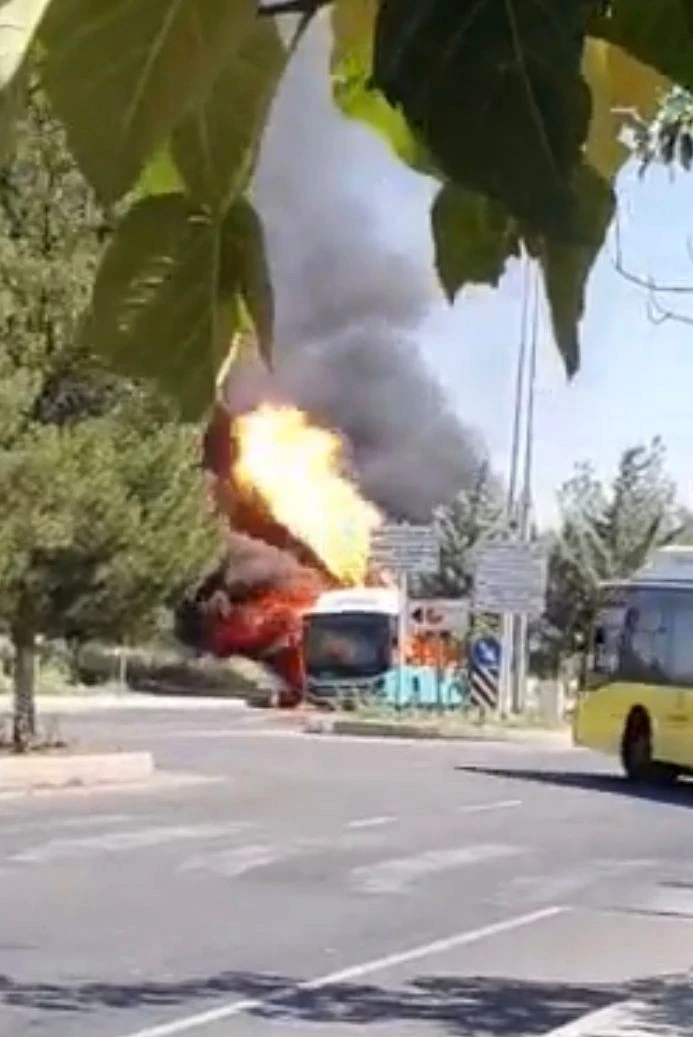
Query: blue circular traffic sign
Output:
(486,653)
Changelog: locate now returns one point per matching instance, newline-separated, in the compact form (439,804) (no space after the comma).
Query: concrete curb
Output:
(432,732)
(24,773)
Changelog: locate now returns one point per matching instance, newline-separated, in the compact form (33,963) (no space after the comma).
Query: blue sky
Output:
(636,378)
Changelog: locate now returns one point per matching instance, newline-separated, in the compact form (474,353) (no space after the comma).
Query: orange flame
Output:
(298,471)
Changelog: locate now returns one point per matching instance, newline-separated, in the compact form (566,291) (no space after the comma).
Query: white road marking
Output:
(164,781)
(549,888)
(372,822)
(395,875)
(483,808)
(122,842)
(50,824)
(353,972)
(620,1018)
(232,863)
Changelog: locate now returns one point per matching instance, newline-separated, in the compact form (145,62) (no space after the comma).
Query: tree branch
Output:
(646,282)
(657,313)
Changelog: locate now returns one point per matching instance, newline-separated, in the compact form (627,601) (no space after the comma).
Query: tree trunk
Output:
(24,718)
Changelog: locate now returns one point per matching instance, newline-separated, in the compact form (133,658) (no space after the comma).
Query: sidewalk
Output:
(669,1013)
(115,700)
(446,728)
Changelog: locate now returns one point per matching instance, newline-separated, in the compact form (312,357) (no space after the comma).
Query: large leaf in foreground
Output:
(658,33)
(12,99)
(618,83)
(473,236)
(244,276)
(121,74)
(155,310)
(356,96)
(566,265)
(216,145)
(496,93)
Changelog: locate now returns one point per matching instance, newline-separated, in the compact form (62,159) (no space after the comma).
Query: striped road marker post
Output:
(484,677)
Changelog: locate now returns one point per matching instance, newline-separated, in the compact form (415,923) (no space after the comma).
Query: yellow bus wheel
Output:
(636,747)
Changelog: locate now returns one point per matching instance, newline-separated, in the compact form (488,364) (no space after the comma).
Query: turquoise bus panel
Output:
(424,686)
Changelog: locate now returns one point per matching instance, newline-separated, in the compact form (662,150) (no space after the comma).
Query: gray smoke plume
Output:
(349,308)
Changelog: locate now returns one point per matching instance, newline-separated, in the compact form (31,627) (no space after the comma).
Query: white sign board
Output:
(439,615)
(401,548)
(510,577)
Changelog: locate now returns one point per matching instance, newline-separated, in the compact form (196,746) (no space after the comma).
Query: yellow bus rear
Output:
(636,702)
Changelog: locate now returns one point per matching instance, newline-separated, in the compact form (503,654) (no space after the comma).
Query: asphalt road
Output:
(268,884)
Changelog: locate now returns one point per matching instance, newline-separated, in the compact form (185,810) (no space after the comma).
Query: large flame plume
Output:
(298,471)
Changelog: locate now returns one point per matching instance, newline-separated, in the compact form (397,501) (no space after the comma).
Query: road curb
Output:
(433,732)
(24,773)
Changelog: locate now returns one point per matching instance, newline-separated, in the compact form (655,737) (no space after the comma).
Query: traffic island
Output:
(444,728)
(65,770)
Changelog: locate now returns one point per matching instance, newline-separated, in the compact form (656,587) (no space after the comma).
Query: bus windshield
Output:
(632,636)
(347,644)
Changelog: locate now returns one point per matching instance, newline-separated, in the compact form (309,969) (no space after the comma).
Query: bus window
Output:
(630,640)
(644,649)
(681,664)
(346,645)
(603,662)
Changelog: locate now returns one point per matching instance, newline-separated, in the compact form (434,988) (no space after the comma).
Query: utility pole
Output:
(525,517)
(508,636)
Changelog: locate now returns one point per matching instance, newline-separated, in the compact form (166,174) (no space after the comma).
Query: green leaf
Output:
(244,273)
(215,147)
(618,83)
(160,176)
(353,27)
(474,237)
(19,20)
(155,311)
(12,100)
(121,75)
(495,91)
(566,265)
(658,34)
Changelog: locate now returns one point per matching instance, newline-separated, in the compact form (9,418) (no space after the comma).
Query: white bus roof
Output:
(668,567)
(358,599)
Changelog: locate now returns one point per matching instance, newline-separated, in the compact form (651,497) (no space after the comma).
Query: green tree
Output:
(460,526)
(101,515)
(164,105)
(608,531)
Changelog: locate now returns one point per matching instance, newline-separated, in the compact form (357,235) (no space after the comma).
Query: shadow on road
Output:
(679,794)
(475,1005)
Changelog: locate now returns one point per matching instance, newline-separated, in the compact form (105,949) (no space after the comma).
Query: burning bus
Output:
(296,526)
(295,591)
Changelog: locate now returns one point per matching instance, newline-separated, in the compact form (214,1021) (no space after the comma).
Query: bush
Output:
(167,671)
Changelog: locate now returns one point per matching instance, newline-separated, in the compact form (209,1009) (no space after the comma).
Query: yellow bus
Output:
(636,701)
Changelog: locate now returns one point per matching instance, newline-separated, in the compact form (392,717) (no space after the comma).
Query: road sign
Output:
(439,615)
(405,549)
(510,577)
(484,672)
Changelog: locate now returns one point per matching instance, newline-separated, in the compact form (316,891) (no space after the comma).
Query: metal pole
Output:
(520,683)
(505,695)
(518,407)
(403,635)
